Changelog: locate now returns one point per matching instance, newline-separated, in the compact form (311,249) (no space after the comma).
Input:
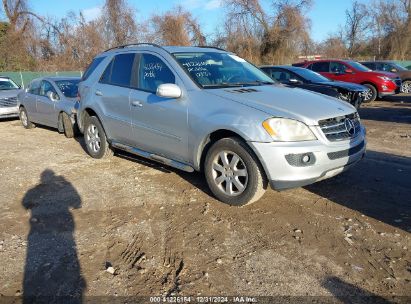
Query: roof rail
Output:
(212,47)
(132,44)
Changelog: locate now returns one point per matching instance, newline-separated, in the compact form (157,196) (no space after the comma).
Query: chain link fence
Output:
(24,78)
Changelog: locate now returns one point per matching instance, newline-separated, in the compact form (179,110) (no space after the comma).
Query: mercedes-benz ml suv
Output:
(205,109)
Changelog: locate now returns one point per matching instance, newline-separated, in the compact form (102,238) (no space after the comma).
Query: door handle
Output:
(98,93)
(136,103)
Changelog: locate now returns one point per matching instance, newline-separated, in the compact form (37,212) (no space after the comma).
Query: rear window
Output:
(119,71)
(323,66)
(68,87)
(90,69)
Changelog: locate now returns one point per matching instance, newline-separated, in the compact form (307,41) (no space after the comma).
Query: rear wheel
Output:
(406,86)
(95,139)
(24,118)
(67,125)
(371,94)
(234,173)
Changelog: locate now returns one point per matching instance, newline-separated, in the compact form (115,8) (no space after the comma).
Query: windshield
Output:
(68,87)
(217,70)
(310,75)
(358,66)
(398,67)
(8,84)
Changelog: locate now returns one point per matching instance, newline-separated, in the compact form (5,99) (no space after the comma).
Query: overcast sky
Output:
(326,15)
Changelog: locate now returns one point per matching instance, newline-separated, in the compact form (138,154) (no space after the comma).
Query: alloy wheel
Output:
(406,86)
(23,118)
(229,173)
(93,138)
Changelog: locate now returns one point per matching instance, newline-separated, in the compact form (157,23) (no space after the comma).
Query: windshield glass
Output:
(358,66)
(217,70)
(8,84)
(68,87)
(398,67)
(310,75)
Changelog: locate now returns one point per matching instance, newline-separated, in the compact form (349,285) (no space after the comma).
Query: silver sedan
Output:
(50,101)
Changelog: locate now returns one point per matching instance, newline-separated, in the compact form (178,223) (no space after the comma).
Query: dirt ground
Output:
(66,218)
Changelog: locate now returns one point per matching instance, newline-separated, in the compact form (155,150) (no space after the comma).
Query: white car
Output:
(8,97)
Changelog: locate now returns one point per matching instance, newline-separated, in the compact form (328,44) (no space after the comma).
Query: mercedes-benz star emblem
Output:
(349,126)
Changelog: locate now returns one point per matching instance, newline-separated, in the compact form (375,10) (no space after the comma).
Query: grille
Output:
(335,130)
(345,153)
(8,102)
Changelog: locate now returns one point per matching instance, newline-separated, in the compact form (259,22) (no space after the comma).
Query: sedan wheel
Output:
(406,86)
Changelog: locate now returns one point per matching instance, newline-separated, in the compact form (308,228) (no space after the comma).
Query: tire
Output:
(95,138)
(24,119)
(224,180)
(67,125)
(406,86)
(373,93)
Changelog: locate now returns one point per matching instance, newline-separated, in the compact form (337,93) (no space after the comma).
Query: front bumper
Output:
(330,159)
(9,112)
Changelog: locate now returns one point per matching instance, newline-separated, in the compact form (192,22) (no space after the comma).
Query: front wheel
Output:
(95,139)
(406,87)
(233,172)
(371,94)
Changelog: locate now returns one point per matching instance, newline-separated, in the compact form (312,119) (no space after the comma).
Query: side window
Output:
(322,66)
(281,75)
(369,65)
(387,67)
(90,69)
(46,87)
(34,87)
(337,67)
(105,78)
(153,72)
(121,70)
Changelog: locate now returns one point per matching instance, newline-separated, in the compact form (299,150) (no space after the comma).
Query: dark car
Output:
(309,80)
(380,84)
(392,67)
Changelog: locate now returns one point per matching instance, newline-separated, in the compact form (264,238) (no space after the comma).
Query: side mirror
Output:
(26,90)
(294,81)
(52,96)
(169,90)
(393,71)
(349,71)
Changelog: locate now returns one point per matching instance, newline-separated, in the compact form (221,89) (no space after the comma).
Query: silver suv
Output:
(205,109)
(8,97)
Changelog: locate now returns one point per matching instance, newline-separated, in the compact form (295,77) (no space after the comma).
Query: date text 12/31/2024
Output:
(201,299)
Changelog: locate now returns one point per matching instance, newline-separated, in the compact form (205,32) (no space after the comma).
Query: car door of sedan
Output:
(159,124)
(46,108)
(29,100)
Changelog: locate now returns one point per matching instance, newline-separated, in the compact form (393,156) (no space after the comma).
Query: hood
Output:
(281,101)
(346,85)
(10,93)
(404,74)
(388,74)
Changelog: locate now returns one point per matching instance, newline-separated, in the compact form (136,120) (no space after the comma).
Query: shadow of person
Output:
(52,270)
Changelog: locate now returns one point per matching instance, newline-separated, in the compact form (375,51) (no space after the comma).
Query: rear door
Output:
(46,108)
(112,95)
(159,124)
(322,67)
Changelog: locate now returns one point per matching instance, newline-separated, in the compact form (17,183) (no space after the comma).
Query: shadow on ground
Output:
(52,271)
(379,186)
(399,110)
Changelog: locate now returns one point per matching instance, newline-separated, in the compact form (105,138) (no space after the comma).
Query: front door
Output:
(46,108)
(159,124)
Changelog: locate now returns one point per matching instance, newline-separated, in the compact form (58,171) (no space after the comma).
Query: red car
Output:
(380,83)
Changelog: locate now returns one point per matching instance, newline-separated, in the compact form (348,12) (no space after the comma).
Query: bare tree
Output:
(176,27)
(357,23)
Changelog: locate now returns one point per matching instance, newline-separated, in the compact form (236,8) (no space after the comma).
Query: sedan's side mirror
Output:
(52,96)
(393,71)
(169,90)
(349,71)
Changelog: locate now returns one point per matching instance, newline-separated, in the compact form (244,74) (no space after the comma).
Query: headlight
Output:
(385,78)
(282,129)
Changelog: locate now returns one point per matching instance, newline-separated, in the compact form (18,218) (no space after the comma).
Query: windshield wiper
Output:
(222,85)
